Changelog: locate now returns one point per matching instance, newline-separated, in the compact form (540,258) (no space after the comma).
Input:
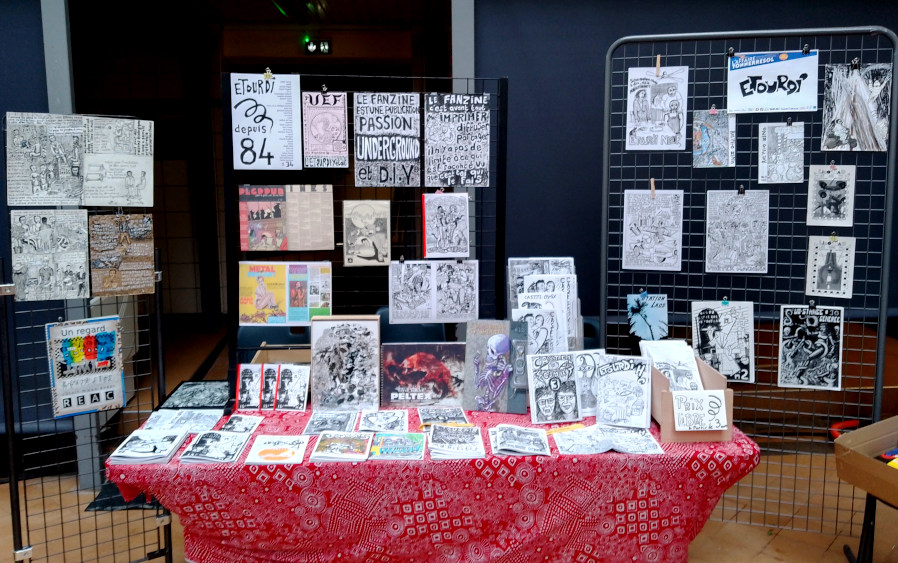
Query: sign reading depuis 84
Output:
(772,82)
(265,122)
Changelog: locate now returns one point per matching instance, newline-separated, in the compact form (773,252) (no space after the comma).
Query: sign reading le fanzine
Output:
(265,122)
(699,410)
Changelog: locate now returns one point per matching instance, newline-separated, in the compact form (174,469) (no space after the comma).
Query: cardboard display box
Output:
(280,355)
(662,407)
(856,460)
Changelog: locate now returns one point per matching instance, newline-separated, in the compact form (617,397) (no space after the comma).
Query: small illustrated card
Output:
(653,230)
(781,153)
(656,108)
(277,450)
(441,415)
(647,315)
(830,266)
(342,446)
(737,231)
(831,195)
(810,352)
(249,386)
(699,410)
(399,446)
(393,420)
(713,139)
(243,423)
(446,232)
(856,107)
(723,335)
(366,232)
(345,362)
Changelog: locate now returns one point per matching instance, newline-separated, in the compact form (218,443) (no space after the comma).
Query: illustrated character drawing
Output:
(491,374)
(421,369)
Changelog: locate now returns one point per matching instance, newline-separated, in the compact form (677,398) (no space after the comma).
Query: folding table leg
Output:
(865,548)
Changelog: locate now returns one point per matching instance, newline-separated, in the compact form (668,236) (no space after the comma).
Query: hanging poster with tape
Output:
(772,82)
(265,122)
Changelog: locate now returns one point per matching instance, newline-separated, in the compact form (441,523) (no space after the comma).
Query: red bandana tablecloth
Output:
(610,506)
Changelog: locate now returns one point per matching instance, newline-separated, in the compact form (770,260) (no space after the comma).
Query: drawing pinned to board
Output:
(49,254)
(831,195)
(118,162)
(736,231)
(713,139)
(44,159)
(457,141)
(366,232)
(121,255)
(265,120)
(830,270)
(387,139)
(656,108)
(781,153)
(647,315)
(433,291)
(446,231)
(810,353)
(856,107)
(653,230)
(291,217)
(324,130)
(723,335)
(772,81)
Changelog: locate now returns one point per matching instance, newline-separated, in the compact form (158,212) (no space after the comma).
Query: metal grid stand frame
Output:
(796,485)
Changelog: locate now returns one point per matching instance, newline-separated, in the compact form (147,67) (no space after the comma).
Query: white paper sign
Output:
(699,410)
(265,122)
(772,82)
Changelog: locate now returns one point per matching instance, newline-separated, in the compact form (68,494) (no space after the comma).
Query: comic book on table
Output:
(192,420)
(489,364)
(277,450)
(397,446)
(342,446)
(508,439)
(148,446)
(215,447)
(198,395)
(456,442)
(422,374)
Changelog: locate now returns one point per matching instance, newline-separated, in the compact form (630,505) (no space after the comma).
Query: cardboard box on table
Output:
(856,460)
(266,355)
(663,413)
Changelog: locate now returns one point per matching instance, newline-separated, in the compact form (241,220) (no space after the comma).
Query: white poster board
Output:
(265,122)
(772,82)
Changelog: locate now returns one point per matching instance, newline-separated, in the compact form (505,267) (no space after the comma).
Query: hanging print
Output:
(723,335)
(830,266)
(366,232)
(810,353)
(737,229)
(324,130)
(653,230)
(831,195)
(387,139)
(781,153)
(457,140)
(647,315)
(772,82)
(656,108)
(856,107)
(713,139)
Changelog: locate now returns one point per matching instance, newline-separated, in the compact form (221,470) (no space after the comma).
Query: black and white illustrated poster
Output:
(737,229)
(810,353)
(44,159)
(656,108)
(653,230)
(831,195)
(781,153)
(366,232)
(387,139)
(345,365)
(457,140)
(446,232)
(49,254)
(118,162)
(265,122)
(434,291)
(713,139)
(830,266)
(856,107)
(723,335)
(324,130)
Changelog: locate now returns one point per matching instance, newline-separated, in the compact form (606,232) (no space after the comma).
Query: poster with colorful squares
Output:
(85,358)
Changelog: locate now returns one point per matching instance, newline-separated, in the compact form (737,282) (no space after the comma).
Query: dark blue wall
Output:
(554,56)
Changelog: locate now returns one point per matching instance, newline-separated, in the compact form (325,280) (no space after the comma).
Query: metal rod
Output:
(6,382)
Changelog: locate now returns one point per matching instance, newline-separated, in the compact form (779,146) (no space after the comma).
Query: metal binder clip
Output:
(806,50)
(713,110)
(653,187)
(741,190)
(324,88)
(811,305)
(267,75)
(731,52)
(643,293)
(855,63)
(833,237)
(789,121)
(658,64)
(726,301)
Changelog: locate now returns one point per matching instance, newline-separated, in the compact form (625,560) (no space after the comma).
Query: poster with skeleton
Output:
(49,254)
(86,372)
(656,108)
(446,230)
(736,231)
(831,195)
(653,230)
(647,315)
(723,335)
(345,362)
(518,268)
(713,139)
(810,347)
(457,140)
(118,162)
(387,139)
(830,270)
(781,153)
(434,291)
(856,107)
(324,130)
(44,159)
(121,255)
(545,334)
(553,388)
(366,232)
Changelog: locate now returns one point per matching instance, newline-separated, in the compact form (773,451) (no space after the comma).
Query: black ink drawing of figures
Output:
(556,401)
(810,354)
(414,287)
(54,167)
(447,228)
(455,291)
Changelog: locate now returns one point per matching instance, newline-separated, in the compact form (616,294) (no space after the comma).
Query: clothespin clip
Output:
(458,261)
(731,52)
(833,237)
(713,110)
(806,50)
(658,64)
(789,121)
(855,63)
(119,212)
(652,181)
(643,293)
(267,75)
(741,190)
(832,165)
(324,88)
(811,305)
(726,301)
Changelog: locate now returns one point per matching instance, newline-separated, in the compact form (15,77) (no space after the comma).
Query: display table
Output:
(559,508)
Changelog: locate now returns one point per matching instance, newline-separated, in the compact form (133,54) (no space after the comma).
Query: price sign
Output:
(265,122)
(699,410)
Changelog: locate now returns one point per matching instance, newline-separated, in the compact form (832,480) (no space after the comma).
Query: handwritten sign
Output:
(699,410)
(265,122)
(387,139)
(772,82)
(457,144)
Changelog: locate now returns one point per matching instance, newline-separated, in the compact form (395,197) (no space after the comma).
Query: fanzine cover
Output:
(387,139)
(249,386)
(283,293)
(488,368)
(713,139)
(397,446)
(653,230)
(519,268)
(345,362)
(49,254)
(622,387)
(856,107)
(324,130)
(737,230)
(656,107)
(554,393)
(830,270)
(422,374)
(389,420)
(446,232)
(292,387)
(810,354)
(121,255)
(647,315)
(366,232)
(198,395)
(831,195)
(781,153)
(457,140)
(723,336)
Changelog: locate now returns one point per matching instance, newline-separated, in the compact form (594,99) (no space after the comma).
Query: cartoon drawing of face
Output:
(545,402)
(567,401)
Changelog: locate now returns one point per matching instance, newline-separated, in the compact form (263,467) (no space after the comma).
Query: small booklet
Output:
(342,446)
(277,450)
(394,420)
(456,442)
(192,420)
(198,395)
(148,446)
(441,415)
(599,438)
(215,447)
(676,360)
(508,439)
(337,421)
(397,446)
(243,423)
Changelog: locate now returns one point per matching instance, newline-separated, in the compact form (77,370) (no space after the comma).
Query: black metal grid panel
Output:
(363,290)
(57,465)
(796,485)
